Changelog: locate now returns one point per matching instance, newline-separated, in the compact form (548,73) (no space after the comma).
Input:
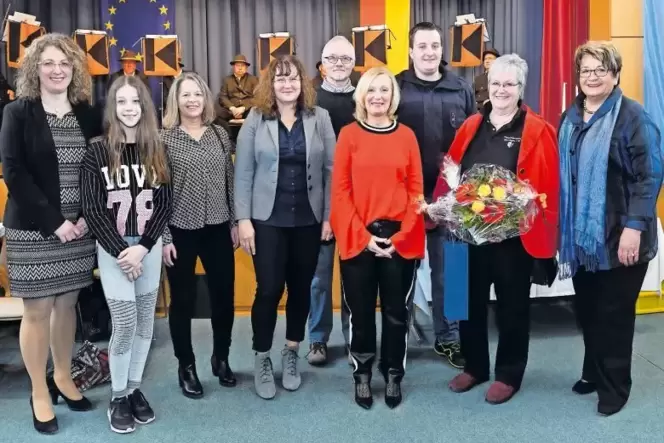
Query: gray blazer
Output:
(257,164)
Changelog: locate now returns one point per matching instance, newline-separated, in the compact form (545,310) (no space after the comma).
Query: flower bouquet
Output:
(487,204)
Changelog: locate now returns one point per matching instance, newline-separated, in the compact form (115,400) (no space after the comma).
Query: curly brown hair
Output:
(264,99)
(27,83)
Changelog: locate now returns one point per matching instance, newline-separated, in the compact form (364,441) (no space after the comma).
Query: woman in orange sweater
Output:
(376,183)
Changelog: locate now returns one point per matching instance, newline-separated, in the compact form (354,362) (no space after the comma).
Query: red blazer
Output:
(537,163)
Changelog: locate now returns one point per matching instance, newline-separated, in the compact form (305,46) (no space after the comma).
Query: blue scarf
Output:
(582,227)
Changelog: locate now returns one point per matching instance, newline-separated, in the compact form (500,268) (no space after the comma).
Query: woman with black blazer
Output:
(50,255)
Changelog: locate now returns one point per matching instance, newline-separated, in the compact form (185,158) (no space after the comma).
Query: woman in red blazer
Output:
(508,134)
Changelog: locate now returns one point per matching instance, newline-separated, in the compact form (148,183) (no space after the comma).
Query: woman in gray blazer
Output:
(283,169)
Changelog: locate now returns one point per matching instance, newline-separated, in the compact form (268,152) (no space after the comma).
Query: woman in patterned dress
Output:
(50,255)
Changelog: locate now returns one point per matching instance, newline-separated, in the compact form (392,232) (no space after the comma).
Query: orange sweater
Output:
(376,175)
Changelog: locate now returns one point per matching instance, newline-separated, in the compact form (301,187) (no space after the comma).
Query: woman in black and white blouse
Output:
(202,225)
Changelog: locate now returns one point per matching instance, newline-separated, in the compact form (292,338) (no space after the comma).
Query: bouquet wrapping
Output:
(487,204)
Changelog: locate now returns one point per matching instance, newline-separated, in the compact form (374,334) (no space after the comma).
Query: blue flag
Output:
(455,275)
(127,21)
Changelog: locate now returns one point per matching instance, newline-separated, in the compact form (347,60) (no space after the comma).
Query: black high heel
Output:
(81,405)
(43,427)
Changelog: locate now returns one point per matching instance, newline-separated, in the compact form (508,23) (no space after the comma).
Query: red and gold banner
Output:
(95,45)
(270,48)
(467,45)
(19,36)
(160,56)
(370,48)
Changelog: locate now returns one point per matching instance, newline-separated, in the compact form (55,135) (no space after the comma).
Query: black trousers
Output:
(284,256)
(508,267)
(213,244)
(364,277)
(605,304)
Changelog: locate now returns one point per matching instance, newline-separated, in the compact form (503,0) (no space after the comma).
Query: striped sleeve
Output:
(94,198)
(645,155)
(161,214)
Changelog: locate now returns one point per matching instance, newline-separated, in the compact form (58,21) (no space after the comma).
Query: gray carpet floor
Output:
(545,410)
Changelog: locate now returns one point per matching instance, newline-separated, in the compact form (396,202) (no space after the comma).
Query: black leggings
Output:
(213,244)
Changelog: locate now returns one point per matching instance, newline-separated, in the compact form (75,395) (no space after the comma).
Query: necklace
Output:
(585,108)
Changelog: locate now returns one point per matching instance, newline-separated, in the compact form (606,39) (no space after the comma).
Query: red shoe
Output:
(463,382)
(499,393)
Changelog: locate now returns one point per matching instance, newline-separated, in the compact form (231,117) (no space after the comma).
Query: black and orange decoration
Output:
(270,48)
(95,45)
(19,36)
(370,48)
(160,56)
(467,45)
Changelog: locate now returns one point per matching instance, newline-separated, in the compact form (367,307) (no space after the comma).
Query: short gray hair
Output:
(512,63)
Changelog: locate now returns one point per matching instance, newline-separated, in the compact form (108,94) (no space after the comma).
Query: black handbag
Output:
(545,271)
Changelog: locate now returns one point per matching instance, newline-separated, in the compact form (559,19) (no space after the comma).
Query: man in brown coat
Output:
(237,91)
(129,61)
(481,82)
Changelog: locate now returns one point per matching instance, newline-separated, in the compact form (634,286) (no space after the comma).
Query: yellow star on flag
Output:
(112,10)
(163,10)
(113,41)
(109,25)
(122,51)
(153,1)
(123,1)
(167,25)
(139,57)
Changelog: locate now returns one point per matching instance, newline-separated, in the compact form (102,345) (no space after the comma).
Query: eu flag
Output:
(127,21)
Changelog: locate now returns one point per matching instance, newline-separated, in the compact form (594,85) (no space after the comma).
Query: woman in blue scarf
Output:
(610,174)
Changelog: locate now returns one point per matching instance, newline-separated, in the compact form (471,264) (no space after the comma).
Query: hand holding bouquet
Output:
(488,204)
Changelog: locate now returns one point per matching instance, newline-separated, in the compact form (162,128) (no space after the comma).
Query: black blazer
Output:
(30,164)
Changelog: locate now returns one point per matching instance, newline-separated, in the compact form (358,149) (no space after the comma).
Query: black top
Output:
(340,106)
(291,203)
(495,147)
(121,205)
(30,163)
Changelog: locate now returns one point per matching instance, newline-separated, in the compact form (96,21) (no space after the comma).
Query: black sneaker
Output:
(452,352)
(140,408)
(120,416)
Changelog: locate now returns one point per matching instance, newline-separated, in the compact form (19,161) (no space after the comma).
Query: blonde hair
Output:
(603,51)
(172,116)
(363,88)
(148,142)
(27,83)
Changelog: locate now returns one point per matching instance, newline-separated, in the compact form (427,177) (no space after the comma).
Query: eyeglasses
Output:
(333,59)
(281,81)
(507,85)
(49,65)
(600,71)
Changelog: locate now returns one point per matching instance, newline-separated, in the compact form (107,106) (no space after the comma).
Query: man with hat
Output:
(237,91)
(318,80)
(482,81)
(129,59)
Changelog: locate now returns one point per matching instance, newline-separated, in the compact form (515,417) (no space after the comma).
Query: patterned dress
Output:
(43,266)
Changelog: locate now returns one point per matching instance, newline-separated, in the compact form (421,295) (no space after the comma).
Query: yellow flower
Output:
(477,207)
(484,191)
(499,193)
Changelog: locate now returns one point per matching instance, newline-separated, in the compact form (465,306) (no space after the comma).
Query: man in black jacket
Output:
(434,104)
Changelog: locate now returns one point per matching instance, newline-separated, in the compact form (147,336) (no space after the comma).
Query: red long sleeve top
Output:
(377,175)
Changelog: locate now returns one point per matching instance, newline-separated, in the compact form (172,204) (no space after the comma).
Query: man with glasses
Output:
(434,104)
(335,94)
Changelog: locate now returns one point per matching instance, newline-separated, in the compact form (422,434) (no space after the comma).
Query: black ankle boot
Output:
(363,394)
(393,391)
(583,387)
(189,382)
(221,369)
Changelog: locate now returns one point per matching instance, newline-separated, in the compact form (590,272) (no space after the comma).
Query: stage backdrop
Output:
(213,31)
(513,26)
(653,59)
(127,21)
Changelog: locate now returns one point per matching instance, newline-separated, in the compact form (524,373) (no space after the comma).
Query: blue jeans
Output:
(445,331)
(320,313)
